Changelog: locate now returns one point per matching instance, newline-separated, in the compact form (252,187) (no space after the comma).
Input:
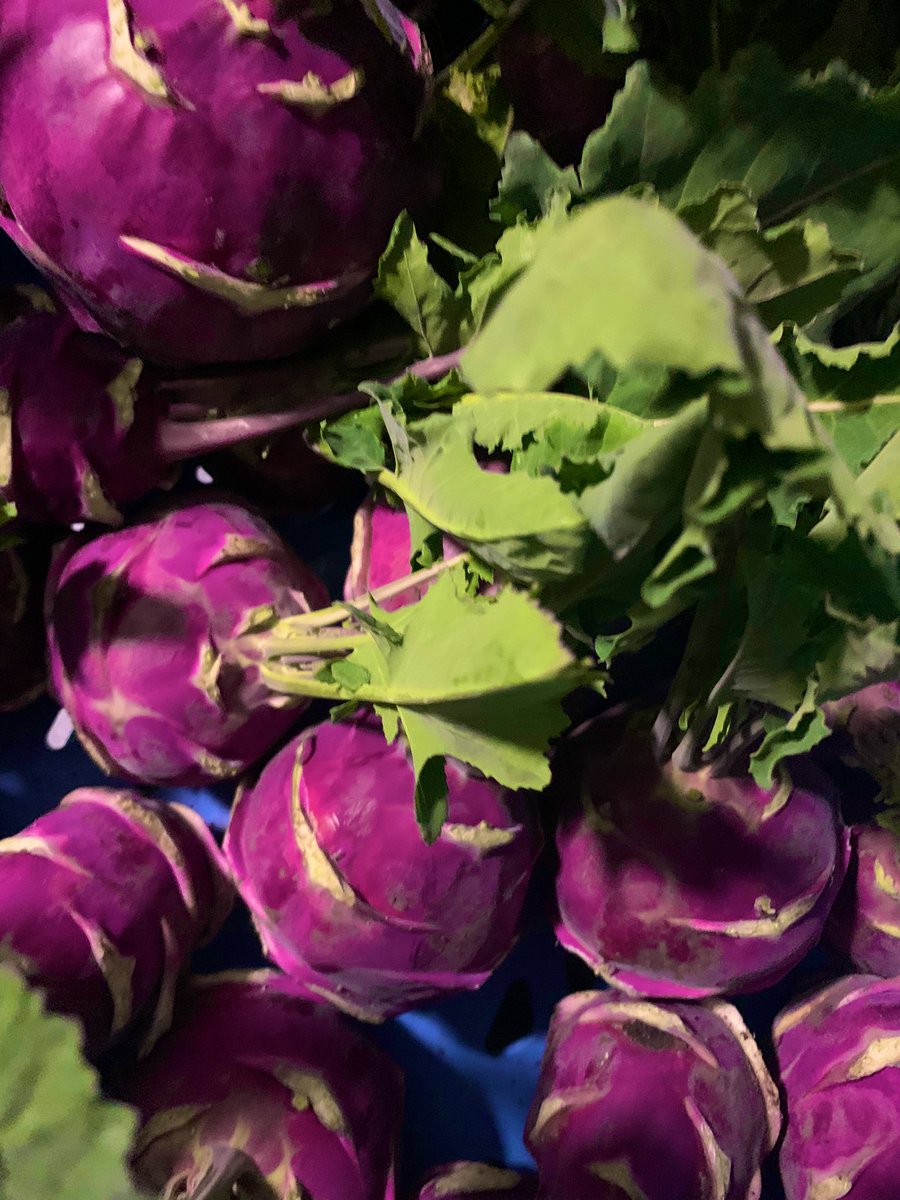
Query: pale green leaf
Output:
(788,735)
(531,183)
(642,498)
(881,478)
(483,286)
(851,374)
(854,390)
(622,278)
(516,522)
(475,678)
(555,426)
(58,1138)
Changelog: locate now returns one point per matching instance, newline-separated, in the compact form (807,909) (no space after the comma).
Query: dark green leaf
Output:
(762,128)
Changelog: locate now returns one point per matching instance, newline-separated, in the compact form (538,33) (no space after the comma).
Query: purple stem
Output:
(178,440)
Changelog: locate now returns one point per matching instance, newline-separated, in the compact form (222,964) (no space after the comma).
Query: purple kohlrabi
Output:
(478,1181)
(685,885)
(865,920)
(657,1101)
(840,1070)
(381,549)
(148,655)
(871,719)
(23,642)
(349,899)
(258,1088)
(102,902)
(555,99)
(82,423)
(209,180)
(380,554)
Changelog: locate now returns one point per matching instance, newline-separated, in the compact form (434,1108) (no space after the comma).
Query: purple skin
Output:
(147,650)
(554,99)
(236,172)
(348,898)
(478,1181)
(83,423)
(871,719)
(253,1067)
(683,885)
(657,1101)
(865,920)
(23,642)
(840,1071)
(73,920)
(380,553)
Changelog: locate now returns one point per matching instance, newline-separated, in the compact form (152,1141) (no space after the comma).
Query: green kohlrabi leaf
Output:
(487,689)
(476,678)
(762,128)
(854,390)
(591,289)
(881,478)
(851,374)
(677,503)
(58,1138)
(407,281)
(525,525)
(444,319)
(546,429)
(531,183)
(484,285)
(791,273)
(355,440)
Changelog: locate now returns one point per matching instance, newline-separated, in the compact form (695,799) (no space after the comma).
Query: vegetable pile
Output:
(461,441)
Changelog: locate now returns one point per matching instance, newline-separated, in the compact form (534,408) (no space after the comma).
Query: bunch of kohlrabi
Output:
(586,318)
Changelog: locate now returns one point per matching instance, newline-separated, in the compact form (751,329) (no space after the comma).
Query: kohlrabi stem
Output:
(335,613)
(295,637)
(849,406)
(295,682)
(178,440)
(305,645)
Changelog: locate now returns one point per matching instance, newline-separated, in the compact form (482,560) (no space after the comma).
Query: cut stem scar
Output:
(311,93)
(250,299)
(125,57)
(244,22)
